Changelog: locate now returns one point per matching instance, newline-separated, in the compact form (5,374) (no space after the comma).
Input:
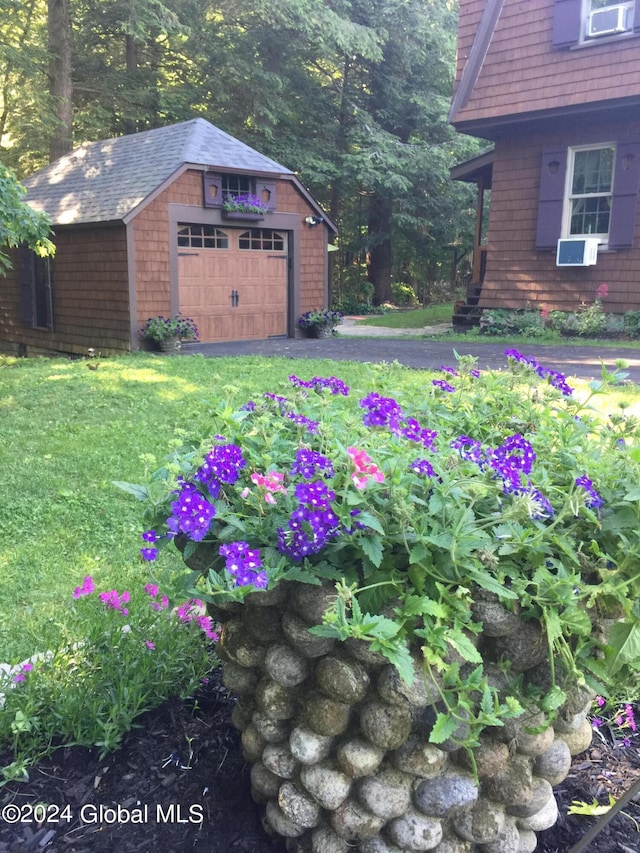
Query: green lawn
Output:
(411,319)
(67,432)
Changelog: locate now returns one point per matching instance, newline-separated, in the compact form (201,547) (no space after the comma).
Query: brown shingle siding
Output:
(517,273)
(522,73)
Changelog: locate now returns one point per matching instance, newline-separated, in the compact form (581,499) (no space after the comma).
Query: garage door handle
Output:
(235,298)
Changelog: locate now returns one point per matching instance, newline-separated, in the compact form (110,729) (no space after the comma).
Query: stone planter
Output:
(339,747)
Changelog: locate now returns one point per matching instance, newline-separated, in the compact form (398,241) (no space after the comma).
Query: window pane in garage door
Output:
(262,239)
(202,237)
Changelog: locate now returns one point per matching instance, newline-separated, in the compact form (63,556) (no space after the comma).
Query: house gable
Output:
(525,75)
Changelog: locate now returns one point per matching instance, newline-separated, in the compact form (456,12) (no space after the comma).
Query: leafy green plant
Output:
(479,484)
(321,317)
(520,321)
(245,203)
(632,323)
(163,328)
(135,652)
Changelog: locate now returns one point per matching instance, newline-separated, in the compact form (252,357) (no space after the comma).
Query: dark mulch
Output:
(182,784)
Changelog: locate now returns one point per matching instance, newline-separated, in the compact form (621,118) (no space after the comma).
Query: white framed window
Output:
(606,19)
(589,191)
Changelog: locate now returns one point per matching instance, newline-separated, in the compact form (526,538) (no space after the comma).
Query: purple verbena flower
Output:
(149,554)
(309,462)
(593,499)
(191,513)
(423,466)
(443,386)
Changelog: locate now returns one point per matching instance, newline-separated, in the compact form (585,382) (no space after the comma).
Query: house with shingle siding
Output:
(555,86)
(140,230)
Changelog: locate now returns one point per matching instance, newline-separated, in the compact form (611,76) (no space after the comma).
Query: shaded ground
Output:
(182,785)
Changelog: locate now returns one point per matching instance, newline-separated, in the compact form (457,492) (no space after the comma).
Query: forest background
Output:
(352,95)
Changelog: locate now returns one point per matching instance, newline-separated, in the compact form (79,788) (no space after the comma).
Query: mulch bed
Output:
(181,784)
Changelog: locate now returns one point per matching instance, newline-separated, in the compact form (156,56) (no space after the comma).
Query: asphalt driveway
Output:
(582,362)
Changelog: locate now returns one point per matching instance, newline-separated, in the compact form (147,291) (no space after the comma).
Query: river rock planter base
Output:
(339,744)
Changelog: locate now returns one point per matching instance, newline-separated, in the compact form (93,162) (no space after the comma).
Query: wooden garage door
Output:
(232,282)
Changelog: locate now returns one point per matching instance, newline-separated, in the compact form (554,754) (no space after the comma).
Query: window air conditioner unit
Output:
(577,252)
(608,21)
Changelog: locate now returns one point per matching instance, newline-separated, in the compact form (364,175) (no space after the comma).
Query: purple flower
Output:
(191,513)
(450,370)
(150,536)
(331,383)
(423,466)
(593,499)
(443,386)
(149,554)
(309,462)
(221,465)
(300,420)
(470,449)
(243,563)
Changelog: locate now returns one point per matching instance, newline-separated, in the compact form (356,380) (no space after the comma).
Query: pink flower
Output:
(365,469)
(544,312)
(602,291)
(152,589)
(272,482)
(150,645)
(87,587)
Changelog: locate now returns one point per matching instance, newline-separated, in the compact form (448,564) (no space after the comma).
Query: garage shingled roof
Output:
(106,180)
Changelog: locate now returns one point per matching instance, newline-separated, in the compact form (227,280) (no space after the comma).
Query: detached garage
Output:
(141,229)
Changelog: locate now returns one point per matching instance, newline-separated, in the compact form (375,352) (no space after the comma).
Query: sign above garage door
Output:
(233,282)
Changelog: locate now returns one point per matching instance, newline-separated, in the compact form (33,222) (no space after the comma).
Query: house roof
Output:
(106,180)
(477,169)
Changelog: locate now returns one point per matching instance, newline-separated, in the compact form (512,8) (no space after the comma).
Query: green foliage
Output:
(131,655)
(19,223)
(403,295)
(163,328)
(521,321)
(632,323)
(422,506)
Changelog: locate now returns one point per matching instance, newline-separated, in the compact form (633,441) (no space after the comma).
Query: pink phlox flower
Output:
(365,469)
(150,645)
(602,291)
(544,312)
(601,701)
(630,719)
(205,624)
(272,483)
(22,675)
(152,589)
(88,586)
(112,600)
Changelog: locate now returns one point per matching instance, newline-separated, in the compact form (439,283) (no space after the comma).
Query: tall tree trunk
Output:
(129,123)
(60,84)
(379,261)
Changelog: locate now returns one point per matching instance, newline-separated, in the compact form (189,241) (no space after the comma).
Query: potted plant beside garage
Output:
(167,333)
(247,206)
(321,323)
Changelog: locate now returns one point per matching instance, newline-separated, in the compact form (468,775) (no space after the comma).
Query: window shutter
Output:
(212,190)
(567,20)
(266,191)
(26,282)
(551,199)
(626,184)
